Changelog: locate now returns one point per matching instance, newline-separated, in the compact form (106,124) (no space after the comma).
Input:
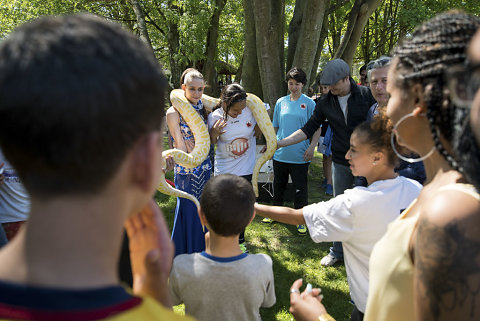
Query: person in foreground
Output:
(82,104)
(223,283)
(426,265)
(360,216)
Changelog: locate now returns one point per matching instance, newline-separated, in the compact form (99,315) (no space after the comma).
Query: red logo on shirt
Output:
(238,146)
(249,124)
(303,106)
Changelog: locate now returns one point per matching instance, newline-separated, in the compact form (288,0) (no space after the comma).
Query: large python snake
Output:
(202,139)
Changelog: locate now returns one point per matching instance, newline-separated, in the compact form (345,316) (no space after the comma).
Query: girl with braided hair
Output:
(426,266)
(233,128)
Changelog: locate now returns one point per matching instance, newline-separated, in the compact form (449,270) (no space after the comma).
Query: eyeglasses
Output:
(463,82)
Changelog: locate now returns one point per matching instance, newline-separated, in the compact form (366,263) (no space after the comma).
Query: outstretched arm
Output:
(151,253)
(281,214)
(296,137)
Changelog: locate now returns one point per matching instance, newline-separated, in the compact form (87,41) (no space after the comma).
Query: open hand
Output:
(218,128)
(151,253)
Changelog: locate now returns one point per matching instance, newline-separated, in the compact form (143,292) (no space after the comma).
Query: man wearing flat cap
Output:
(345,107)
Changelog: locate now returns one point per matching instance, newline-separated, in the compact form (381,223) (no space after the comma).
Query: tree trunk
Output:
(173,40)
(142,26)
(238,75)
(294,31)
(209,70)
(251,80)
(361,11)
(321,41)
(309,35)
(268,32)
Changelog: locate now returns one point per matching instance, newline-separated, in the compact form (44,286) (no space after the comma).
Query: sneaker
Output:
(267,220)
(329,260)
(243,247)
(329,190)
(302,229)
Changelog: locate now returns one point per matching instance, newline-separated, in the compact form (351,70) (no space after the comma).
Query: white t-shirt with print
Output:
(236,148)
(359,218)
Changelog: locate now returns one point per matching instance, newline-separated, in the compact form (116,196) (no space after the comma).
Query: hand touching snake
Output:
(258,110)
(199,152)
(202,139)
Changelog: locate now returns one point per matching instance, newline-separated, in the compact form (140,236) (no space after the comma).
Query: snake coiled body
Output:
(202,138)
(263,121)
(199,152)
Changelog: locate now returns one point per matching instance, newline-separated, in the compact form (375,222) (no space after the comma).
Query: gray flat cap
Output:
(334,70)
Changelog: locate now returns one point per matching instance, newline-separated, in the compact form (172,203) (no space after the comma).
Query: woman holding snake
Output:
(188,234)
(233,128)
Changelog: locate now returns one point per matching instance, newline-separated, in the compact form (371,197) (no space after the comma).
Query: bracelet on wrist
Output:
(325,317)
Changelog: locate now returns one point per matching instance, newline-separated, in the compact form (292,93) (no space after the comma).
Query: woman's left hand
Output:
(305,306)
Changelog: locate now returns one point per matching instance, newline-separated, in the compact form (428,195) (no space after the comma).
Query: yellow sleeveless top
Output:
(390,295)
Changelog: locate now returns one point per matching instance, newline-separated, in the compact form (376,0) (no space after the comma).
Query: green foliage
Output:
(192,18)
(231,34)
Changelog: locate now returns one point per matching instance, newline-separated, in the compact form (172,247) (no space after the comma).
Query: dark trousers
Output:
(299,175)
(356,314)
(241,237)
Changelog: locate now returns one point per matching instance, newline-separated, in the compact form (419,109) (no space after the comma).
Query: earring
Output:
(374,163)
(392,142)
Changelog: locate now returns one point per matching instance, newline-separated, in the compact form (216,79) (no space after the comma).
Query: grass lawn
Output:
(293,256)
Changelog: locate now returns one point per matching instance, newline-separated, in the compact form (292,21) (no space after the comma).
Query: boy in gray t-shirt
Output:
(223,283)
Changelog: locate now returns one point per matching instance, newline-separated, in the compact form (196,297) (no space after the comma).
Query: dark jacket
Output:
(328,107)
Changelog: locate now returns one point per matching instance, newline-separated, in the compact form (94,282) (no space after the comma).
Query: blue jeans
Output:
(342,179)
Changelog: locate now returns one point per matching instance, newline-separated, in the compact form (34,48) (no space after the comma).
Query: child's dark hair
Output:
(423,58)
(228,204)
(230,95)
(76,93)
(297,74)
(376,134)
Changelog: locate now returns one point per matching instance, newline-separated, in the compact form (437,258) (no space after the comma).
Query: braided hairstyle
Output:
(230,95)
(423,58)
